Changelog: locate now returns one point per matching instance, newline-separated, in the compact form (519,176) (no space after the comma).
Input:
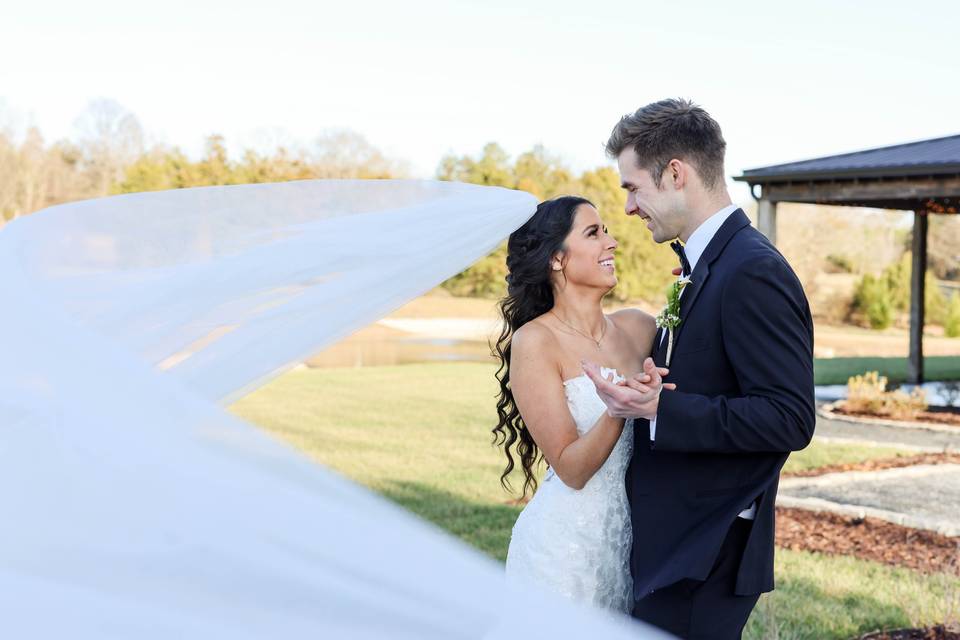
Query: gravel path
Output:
(921,497)
(886,435)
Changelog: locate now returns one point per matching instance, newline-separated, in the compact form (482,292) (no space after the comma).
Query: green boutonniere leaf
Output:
(669,317)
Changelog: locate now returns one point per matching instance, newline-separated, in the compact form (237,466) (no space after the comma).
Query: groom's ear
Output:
(677,173)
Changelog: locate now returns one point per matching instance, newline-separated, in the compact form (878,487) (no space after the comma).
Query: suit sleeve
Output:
(768,337)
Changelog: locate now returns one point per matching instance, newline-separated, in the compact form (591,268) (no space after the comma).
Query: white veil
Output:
(133,506)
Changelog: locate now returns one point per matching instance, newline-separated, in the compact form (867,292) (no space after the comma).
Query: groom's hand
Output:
(643,382)
(637,397)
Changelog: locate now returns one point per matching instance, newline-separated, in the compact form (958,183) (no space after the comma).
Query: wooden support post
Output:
(917,281)
(767,219)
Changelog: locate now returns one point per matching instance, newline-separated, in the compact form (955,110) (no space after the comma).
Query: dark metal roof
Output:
(938,156)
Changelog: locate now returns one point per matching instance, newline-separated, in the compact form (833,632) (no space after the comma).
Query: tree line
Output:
(35,174)
(643,267)
(109,155)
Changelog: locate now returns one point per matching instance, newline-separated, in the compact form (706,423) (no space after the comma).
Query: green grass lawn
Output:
(839,370)
(820,597)
(820,454)
(420,435)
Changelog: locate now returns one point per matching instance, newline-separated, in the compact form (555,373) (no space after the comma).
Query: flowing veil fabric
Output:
(134,506)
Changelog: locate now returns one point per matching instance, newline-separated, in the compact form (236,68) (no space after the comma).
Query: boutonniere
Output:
(669,317)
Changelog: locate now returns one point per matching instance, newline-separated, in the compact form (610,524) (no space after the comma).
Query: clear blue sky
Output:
(421,78)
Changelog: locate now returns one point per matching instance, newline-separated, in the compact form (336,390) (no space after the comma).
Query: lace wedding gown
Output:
(577,543)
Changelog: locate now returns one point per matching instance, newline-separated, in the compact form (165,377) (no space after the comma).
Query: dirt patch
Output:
(878,464)
(832,340)
(938,632)
(836,341)
(867,539)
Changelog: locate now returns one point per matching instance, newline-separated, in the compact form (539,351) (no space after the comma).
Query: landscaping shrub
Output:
(872,300)
(868,393)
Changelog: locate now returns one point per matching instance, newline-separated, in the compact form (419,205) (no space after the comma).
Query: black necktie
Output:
(684,264)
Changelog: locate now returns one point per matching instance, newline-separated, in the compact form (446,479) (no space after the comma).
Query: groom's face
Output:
(657,205)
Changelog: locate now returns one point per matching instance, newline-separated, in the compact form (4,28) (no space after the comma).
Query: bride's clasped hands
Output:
(635,396)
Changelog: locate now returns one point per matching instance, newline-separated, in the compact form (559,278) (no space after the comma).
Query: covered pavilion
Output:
(922,177)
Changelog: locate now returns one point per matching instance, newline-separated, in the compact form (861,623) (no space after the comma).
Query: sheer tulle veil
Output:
(134,506)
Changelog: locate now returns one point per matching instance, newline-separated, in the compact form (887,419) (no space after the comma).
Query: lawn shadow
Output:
(483,525)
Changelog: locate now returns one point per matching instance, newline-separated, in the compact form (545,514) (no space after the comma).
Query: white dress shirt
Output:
(695,246)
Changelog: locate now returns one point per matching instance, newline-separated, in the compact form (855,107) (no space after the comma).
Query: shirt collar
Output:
(701,237)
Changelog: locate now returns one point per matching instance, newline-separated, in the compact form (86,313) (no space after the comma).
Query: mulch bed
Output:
(867,539)
(947,416)
(878,464)
(875,539)
(938,632)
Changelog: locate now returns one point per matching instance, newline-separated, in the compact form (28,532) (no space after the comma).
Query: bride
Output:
(574,536)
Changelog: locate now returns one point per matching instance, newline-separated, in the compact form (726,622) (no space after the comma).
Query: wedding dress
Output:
(577,542)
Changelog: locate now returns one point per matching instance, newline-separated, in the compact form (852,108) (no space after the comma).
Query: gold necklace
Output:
(603,332)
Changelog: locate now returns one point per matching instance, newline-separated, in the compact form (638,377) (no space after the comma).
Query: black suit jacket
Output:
(743,365)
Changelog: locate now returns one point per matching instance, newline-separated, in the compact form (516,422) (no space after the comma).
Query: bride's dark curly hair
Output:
(529,294)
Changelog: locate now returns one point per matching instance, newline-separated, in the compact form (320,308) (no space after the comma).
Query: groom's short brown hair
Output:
(668,129)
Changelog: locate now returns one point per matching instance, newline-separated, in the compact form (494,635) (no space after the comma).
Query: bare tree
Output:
(347,154)
(32,168)
(9,207)
(110,138)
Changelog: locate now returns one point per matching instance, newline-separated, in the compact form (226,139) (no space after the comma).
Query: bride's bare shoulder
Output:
(533,336)
(633,320)
(535,346)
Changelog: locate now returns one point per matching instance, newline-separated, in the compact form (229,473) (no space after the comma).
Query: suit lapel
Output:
(736,221)
(697,279)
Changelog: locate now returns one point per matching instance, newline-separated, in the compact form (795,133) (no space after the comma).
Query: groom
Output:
(707,457)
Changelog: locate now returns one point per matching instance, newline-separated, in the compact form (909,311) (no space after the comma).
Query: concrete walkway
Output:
(921,497)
